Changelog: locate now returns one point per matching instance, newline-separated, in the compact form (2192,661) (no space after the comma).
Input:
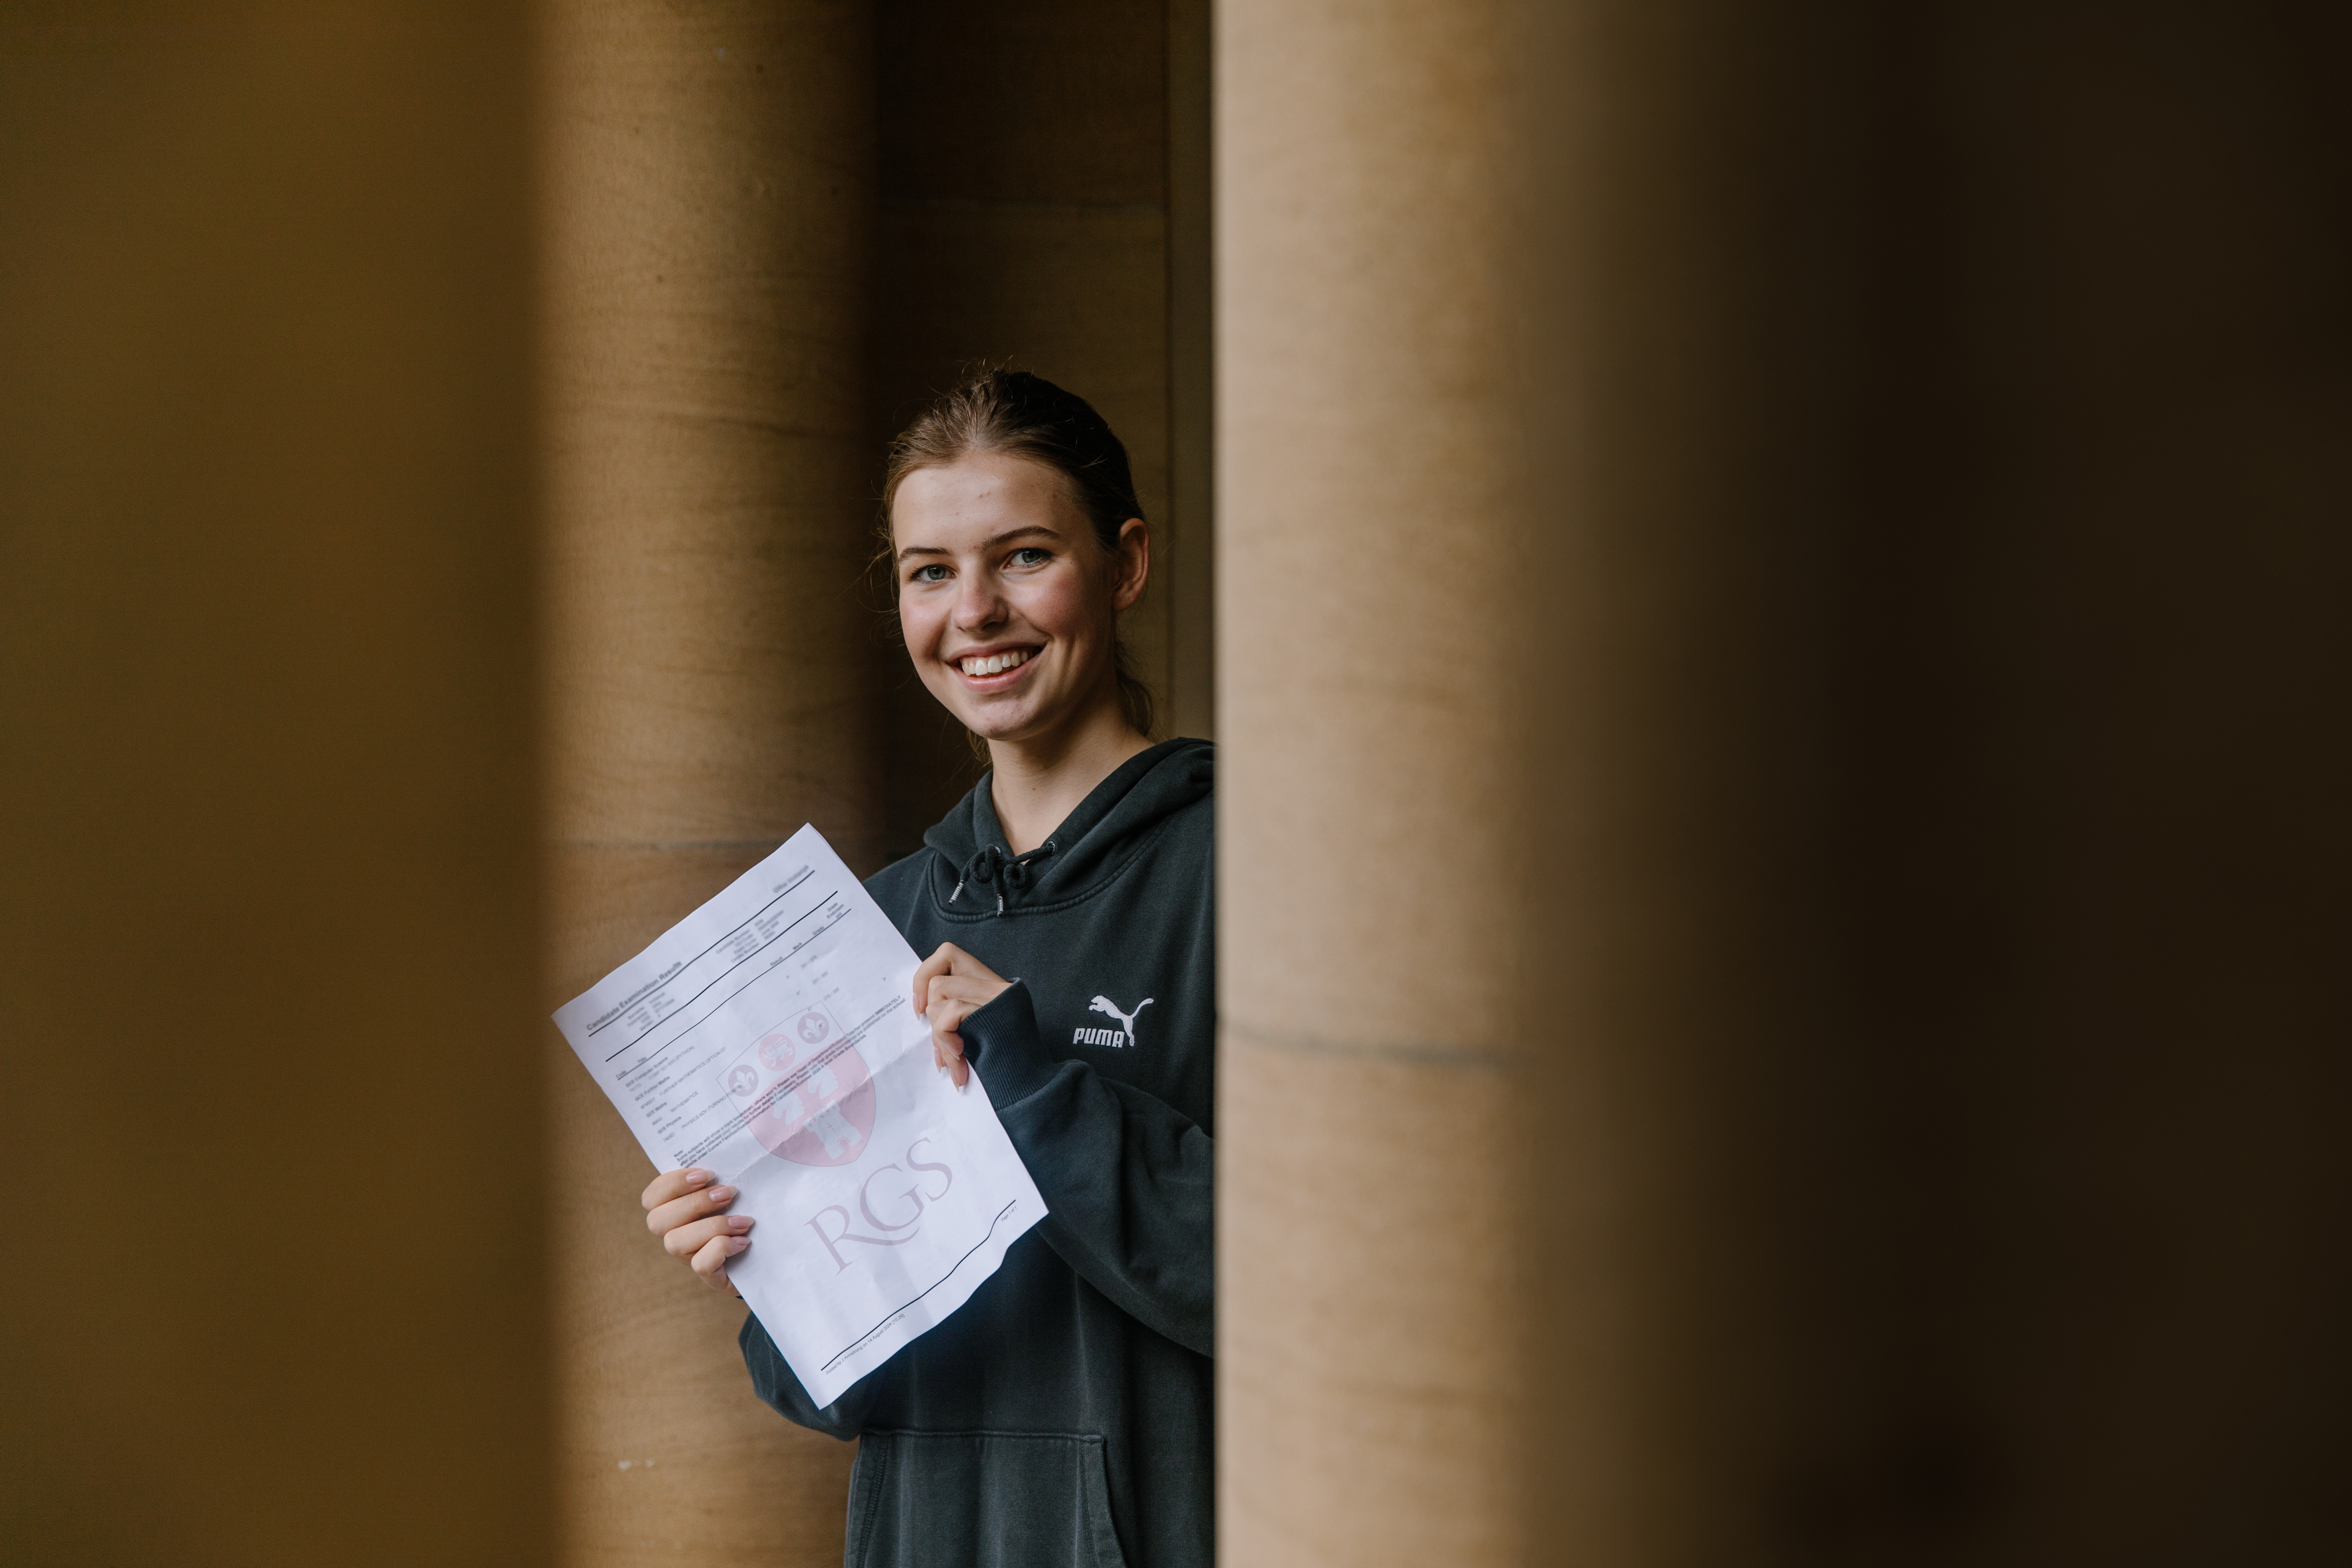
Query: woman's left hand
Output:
(951,986)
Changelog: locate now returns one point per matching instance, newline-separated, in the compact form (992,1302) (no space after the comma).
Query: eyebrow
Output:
(991,540)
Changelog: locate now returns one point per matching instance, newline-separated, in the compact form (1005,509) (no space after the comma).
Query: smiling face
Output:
(1009,605)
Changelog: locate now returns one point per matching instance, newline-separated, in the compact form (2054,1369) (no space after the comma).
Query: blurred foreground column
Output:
(266,790)
(708,207)
(1782,600)
(1370,667)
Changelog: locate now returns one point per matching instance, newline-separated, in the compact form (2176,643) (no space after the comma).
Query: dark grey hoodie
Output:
(1064,1414)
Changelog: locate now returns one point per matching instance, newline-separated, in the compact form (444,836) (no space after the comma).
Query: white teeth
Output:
(995,663)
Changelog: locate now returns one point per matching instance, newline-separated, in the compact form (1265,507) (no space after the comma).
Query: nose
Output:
(978,605)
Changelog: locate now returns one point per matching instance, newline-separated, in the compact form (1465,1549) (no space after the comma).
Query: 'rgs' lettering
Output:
(912,1224)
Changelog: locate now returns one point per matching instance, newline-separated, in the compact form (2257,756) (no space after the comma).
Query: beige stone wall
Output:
(707,231)
(274,1281)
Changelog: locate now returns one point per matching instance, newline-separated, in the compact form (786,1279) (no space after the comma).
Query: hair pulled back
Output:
(1024,415)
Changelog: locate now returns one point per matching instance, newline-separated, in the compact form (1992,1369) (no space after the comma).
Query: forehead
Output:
(975,498)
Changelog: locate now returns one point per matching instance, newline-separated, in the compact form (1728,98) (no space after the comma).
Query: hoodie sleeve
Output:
(773,1381)
(1126,1178)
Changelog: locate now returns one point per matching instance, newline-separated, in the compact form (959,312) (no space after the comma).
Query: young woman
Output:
(1063,1414)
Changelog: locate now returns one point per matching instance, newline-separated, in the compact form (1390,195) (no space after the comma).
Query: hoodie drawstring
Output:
(1009,872)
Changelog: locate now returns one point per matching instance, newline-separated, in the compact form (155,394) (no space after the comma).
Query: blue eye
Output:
(1030,555)
(932,572)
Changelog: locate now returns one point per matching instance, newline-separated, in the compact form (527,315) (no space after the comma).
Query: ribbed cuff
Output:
(1001,1041)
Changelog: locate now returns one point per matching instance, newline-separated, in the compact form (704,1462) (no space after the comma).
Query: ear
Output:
(1130,562)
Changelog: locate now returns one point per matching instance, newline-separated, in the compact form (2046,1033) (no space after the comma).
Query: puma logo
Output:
(1111,1036)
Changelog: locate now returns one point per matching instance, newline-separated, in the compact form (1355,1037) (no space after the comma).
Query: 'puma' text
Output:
(1124,1036)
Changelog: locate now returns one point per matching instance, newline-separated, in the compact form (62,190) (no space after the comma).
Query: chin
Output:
(1022,715)
(998,726)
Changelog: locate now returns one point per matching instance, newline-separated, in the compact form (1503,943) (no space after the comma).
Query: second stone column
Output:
(1371,648)
(709,188)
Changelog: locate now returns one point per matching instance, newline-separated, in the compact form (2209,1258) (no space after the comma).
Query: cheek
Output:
(921,617)
(1061,603)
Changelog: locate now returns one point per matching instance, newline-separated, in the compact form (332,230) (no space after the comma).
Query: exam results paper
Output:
(770,1037)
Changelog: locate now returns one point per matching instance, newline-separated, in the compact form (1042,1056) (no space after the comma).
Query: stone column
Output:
(274,1282)
(1861,793)
(1369,663)
(707,212)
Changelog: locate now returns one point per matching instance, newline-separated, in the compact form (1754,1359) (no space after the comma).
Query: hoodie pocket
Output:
(980,1499)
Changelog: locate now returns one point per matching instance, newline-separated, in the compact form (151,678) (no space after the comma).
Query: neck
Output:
(1041,779)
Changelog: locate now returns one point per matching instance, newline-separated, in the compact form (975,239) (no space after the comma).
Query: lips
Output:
(995,668)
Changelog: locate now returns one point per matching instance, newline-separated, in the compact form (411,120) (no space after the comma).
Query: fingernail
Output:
(695,1178)
(739,1223)
(736,1245)
(721,1194)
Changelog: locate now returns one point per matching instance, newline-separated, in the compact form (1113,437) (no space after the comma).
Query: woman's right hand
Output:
(689,1215)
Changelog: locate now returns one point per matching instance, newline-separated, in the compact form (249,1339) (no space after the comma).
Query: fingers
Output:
(947,1055)
(946,1043)
(672,1184)
(709,1265)
(683,1208)
(960,988)
(950,960)
(941,962)
(954,996)
(691,1241)
(694,1205)
(947,1020)
(968,967)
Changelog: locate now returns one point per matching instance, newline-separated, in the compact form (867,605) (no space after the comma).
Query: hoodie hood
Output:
(1093,844)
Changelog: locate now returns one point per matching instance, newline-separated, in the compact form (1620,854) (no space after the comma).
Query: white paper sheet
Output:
(770,1037)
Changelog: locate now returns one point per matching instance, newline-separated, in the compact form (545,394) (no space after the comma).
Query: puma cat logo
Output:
(1111,1036)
